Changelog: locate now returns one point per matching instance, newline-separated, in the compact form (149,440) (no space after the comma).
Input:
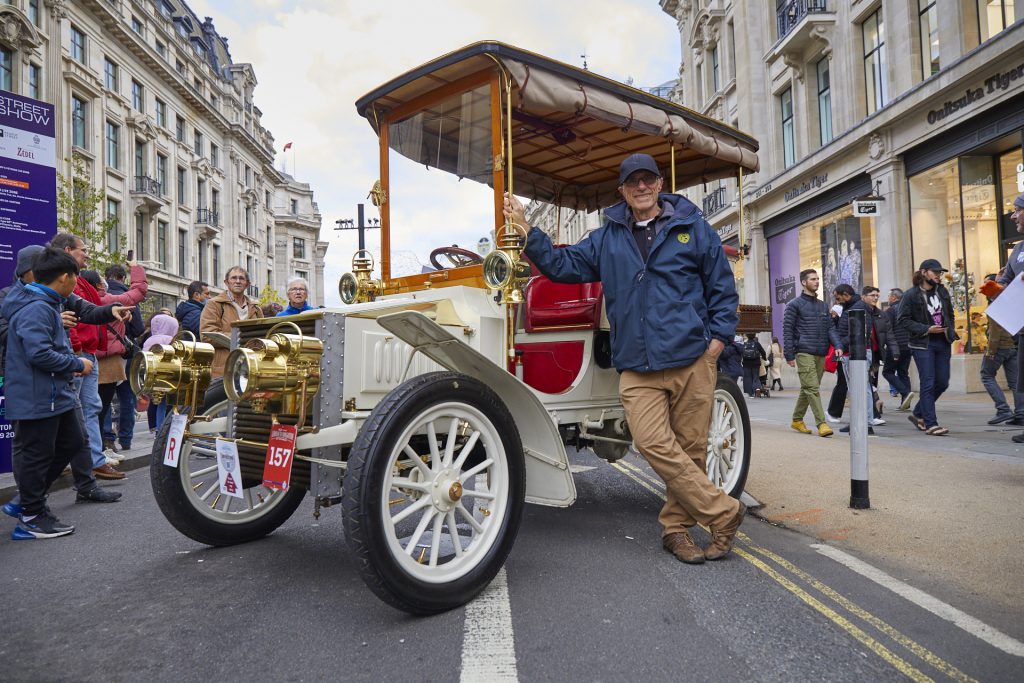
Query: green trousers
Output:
(809,368)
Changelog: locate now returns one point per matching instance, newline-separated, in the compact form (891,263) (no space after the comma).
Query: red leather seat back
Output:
(556,306)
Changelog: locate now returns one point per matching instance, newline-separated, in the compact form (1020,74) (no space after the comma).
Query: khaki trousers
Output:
(810,369)
(669,412)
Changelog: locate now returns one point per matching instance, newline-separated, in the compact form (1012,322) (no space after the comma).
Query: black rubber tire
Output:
(729,386)
(215,394)
(367,468)
(176,505)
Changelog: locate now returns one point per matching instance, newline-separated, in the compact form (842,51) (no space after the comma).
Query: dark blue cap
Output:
(637,162)
(932,264)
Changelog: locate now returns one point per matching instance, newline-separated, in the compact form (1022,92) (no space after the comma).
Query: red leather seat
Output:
(554,306)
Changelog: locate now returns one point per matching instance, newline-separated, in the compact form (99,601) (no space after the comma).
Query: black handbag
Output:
(130,347)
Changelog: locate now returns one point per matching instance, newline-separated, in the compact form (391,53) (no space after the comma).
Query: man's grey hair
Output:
(897,291)
(297,280)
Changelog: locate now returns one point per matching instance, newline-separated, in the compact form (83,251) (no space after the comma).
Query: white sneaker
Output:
(833,420)
(875,421)
(112,457)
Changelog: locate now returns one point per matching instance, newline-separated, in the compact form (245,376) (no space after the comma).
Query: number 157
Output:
(279,456)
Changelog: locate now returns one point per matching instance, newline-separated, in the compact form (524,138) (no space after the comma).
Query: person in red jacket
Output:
(86,340)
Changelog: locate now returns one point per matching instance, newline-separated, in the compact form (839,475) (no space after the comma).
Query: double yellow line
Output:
(750,554)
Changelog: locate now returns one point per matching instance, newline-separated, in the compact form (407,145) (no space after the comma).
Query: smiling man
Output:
(671,302)
(230,305)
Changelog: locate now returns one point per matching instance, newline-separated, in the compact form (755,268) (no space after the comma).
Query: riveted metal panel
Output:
(325,481)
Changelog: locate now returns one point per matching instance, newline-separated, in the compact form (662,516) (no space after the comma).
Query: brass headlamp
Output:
(504,269)
(283,369)
(179,371)
(358,286)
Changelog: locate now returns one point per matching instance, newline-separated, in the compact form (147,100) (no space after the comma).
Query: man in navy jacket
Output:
(671,301)
(189,312)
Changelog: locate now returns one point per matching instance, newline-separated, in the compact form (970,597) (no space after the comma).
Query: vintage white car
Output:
(433,405)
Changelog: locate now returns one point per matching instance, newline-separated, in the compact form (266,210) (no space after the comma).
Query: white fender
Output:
(548,478)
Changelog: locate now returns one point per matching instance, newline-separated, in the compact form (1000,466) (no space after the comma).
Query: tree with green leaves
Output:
(269,295)
(79,205)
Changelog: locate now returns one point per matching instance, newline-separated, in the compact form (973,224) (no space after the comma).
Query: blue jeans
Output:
(1007,360)
(933,370)
(89,396)
(897,372)
(125,416)
(845,361)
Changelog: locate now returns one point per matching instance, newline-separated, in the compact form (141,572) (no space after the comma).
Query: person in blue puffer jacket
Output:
(672,304)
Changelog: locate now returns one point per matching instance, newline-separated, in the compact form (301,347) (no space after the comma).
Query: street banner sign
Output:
(227,468)
(28,198)
(277,470)
(174,438)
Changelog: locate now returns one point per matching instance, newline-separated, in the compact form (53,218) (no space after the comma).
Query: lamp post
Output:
(360,225)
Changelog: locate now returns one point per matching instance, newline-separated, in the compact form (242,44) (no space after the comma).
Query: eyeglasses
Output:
(648,179)
(297,289)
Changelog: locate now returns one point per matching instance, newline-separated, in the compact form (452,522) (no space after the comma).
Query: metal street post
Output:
(860,407)
(361,226)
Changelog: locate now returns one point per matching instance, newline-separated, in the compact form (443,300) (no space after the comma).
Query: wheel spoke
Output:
(405,483)
(453,532)
(469,518)
(435,456)
(418,533)
(472,493)
(473,472)
(435,540)
(420,465)
(449,445)
(248,499)
(203,471)
(467,448)
(215,485)
(418,505)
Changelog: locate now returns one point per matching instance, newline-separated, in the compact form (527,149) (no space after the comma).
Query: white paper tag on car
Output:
(175,436)
(227,469)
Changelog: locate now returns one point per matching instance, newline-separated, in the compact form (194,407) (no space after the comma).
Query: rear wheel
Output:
(189,495)
(728,459)
(434,492)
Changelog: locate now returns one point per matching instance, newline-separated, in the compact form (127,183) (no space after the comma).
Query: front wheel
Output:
(728,459)
(434,492)
(189,495)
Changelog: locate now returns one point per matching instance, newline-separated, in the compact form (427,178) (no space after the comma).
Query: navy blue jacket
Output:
(730,362)
(664,312)
(188,314)
(40,363)
(291,310)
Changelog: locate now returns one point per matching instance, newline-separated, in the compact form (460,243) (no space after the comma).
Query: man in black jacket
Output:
(133,328)
(897,354)
(807,332)
(853,302)
(926,316)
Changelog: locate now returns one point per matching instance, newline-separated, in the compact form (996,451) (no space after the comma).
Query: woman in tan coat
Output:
(227,307)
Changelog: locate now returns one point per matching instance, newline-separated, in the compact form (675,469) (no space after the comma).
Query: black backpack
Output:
(750,351)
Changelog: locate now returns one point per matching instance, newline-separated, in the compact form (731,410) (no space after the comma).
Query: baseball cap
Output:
(637,162)
(932,264)
(25,258)
(1018,203)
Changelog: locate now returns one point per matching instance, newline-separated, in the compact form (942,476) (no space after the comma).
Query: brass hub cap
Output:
(455,492)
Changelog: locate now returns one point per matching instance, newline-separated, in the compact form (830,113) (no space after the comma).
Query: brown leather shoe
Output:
(108,472)
(682,546)
(721,539)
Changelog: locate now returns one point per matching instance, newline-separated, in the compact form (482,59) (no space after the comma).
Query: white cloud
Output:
(314,59)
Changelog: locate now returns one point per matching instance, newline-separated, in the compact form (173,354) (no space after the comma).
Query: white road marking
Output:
(488,643)
(975,627)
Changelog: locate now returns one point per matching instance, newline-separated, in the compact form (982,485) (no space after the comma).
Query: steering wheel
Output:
(457,256)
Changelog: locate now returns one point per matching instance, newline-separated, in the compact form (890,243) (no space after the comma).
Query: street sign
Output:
(277,470)
(866,208)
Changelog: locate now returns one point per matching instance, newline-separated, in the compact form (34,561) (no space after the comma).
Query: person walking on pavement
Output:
(843,296)
(926,314)
(115,275)
(88,490)
(227,307)
(807,332)
(190,311)
(882,337)
(672,305)
(1001,353)
(896,369)
(86,340)
(753,355)
(1014,268)
(854,302)
(775,355)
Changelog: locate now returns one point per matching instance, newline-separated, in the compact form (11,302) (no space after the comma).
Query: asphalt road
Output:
(591,594)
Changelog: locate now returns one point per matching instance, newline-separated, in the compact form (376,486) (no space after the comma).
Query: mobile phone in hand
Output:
(131,254)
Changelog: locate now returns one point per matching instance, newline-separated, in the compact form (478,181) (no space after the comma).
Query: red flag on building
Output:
(287,147)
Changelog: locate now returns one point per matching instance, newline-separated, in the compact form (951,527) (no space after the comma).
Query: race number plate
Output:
(174,438)
(277,470)
(227,469)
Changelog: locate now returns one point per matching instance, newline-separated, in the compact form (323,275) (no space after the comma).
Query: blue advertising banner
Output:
(28,198)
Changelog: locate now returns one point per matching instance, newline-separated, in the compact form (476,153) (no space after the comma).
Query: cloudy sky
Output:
(314,58)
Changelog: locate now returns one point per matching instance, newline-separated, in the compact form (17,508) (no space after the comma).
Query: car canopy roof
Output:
(572,127)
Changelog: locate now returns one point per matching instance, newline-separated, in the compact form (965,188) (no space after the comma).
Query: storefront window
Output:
(837,245)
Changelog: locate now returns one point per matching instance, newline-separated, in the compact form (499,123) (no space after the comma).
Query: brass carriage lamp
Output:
(283,368)
(179,371)
(358,286)
(504,268)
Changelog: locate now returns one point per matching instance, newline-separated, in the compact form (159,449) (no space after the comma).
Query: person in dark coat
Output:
(190,311)
(1014,268)
(730,362)
(926,314)
(752,356)
(116,275)
(896,369)
(852,302)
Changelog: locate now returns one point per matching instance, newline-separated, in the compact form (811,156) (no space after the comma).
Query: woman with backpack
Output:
(753,355)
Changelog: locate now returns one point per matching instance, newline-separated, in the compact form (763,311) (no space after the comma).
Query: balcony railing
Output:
(714,202)
(791,12)
(207,217)
(147,185)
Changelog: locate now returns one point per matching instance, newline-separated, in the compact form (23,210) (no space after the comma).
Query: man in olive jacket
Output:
(807,331)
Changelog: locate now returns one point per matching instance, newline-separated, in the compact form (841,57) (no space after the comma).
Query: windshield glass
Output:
(440,173)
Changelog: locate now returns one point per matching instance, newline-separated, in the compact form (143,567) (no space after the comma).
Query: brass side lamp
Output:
(283,369)
(358,286)
(178,372)
(504,268)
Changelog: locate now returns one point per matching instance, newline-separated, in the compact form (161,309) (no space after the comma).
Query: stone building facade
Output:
(890,131)
(147,94)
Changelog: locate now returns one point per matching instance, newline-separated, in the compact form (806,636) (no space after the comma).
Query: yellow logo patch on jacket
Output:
(684,237)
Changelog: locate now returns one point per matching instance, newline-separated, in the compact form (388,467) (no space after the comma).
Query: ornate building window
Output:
(875,79)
